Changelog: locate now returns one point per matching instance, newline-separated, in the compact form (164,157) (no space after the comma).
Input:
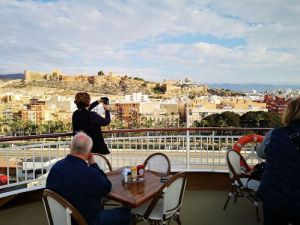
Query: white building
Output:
(136,97)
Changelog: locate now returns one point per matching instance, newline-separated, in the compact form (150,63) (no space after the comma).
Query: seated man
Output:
(79,180)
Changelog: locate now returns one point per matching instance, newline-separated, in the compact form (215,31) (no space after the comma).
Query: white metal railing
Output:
(27,166)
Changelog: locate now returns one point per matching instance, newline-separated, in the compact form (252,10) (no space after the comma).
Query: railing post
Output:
(213,149)
(147,141)
(188,149)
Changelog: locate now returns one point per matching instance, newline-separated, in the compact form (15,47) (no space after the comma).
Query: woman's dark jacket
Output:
(90,122)
(280,187)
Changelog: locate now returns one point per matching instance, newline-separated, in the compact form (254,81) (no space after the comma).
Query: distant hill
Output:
(12,76)
(251,86)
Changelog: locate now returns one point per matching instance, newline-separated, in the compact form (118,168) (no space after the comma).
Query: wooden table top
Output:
(134,194)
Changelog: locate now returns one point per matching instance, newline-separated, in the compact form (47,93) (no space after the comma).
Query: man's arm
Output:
(100,182)
(261,149)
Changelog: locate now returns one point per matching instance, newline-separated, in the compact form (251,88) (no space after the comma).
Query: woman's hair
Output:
(82,100)
(292,111)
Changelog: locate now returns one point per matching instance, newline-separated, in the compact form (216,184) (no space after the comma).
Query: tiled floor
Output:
(199,207)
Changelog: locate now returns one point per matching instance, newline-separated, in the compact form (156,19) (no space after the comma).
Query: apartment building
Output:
(137,109)
(128,113)
(198,108)
(160,113)
(36,112)
(276,104)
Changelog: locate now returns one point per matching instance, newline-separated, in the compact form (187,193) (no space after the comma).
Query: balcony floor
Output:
(199,207)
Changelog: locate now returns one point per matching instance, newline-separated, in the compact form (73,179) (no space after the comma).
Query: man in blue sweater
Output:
(79,180)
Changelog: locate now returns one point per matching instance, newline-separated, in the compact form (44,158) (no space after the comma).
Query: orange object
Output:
(3,179)
(247,139)
(134,173)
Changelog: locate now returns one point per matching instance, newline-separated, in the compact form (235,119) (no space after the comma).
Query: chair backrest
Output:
(234,161)
(59,211)
(102,162)
(158,162)
(173,193)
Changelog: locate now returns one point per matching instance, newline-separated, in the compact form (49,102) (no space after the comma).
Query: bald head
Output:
(81,144)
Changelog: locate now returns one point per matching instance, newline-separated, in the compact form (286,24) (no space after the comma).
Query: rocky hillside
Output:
(106,85)
(124,85)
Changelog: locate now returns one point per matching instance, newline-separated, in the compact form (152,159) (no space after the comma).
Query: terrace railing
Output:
(27,160)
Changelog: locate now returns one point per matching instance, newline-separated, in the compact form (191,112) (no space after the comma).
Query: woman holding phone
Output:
(90,122)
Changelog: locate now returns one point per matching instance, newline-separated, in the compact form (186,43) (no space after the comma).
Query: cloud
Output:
(155,39)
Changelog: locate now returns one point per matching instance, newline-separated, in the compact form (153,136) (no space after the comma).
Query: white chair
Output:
(166,204)
(104,165)
(241,184)
(59,211)
(158,162)
(102,162)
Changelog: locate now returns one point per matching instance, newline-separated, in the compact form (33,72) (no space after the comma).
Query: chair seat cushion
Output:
(156,214)
(249,183)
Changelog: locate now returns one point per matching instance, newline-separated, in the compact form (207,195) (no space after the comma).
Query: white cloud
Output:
(85,36)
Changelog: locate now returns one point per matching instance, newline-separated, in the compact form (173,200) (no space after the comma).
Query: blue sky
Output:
(209,41)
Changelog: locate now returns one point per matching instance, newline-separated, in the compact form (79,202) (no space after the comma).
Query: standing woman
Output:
(90,122)
(280,186)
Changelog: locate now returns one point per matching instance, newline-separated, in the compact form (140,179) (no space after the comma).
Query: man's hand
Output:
(91,159)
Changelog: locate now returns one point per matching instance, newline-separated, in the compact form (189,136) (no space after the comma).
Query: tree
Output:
(210,121)
(231,119)
(54,126)
(270,119)
(30,127)
(249,119)
(149,123)
(17,126)
(261,119)
(67,127)
(116,124)
(158,89)
(41,129)
(100,73)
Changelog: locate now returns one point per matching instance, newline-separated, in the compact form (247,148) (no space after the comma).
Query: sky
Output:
(209,41)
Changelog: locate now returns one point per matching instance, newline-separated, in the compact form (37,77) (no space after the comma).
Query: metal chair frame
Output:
(159,154)
(75,214)
(105,159)
(238,189)
(157,197)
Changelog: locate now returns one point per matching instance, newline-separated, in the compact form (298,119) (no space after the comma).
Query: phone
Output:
(105,100)
(164,179)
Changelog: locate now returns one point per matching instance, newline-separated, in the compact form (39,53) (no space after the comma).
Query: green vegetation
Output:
(17,127)
(101,73)
(139,79)
(159,89)
(249,119)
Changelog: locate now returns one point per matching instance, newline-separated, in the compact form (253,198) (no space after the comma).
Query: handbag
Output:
(258,170)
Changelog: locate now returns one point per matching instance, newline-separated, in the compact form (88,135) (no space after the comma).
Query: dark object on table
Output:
(105,100)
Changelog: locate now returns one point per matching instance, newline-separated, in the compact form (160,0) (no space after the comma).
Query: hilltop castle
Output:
(57,75)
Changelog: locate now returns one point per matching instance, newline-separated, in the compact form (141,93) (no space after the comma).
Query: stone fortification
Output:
(57,75)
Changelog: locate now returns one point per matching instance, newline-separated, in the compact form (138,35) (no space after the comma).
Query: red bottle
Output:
(140,173)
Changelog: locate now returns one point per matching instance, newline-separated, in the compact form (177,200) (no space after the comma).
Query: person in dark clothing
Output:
(90,122)
(280,186)
(79,180)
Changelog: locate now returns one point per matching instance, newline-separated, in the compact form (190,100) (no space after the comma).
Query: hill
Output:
(103,84)
(251,86)
(12,76)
